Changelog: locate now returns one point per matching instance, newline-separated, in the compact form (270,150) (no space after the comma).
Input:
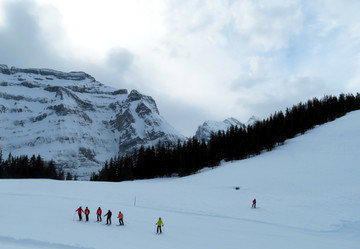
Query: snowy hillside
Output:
(307,193)
(74,119)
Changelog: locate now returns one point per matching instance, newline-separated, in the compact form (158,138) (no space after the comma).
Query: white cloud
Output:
(267,25)
(23,42)
(120,59)
(218,58)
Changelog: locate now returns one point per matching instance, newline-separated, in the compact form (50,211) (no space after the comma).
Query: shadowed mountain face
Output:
(75,120)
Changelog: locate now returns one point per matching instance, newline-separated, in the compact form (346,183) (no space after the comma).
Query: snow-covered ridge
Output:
(205,130)
(74,119)
(4,69)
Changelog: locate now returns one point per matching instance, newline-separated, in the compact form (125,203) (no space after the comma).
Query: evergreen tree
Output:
(68,176)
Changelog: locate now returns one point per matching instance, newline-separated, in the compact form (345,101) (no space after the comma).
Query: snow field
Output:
(307,193)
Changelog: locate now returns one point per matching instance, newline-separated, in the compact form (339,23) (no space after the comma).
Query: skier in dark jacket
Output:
(254,203)
(87,212)
(98,213)
(79,211)
(108,220)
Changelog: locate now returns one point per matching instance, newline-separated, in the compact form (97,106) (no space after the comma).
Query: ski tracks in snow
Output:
(253,221)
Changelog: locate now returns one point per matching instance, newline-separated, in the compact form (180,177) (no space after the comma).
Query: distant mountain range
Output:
(205,130)
(74,119)
(79,122)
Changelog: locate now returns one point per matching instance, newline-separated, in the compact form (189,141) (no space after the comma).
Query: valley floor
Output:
(307,193)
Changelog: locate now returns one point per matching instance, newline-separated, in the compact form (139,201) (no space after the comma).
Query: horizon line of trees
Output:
(21,167)
(234,144)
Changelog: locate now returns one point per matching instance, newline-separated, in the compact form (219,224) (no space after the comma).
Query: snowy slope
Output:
(307,193)
(74,119)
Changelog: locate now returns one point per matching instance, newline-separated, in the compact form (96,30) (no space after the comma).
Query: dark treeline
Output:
(23,167)
(234,144)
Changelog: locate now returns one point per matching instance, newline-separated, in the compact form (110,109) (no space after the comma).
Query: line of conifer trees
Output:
(234,144)
(24,167)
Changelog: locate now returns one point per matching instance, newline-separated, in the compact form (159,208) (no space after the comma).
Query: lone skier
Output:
(79,211)
(108,220)
(121,216)
(87,212)
(98,213)
(159,224)
(254,203)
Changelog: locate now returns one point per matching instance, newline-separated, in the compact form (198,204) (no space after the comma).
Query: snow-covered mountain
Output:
(204,131)
(252,120)
(74,119)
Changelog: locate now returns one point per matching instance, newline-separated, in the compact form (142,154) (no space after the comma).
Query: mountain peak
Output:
(252,120)
(205,130)
(75,120)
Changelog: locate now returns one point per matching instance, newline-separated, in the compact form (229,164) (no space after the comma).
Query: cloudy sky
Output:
(199,60)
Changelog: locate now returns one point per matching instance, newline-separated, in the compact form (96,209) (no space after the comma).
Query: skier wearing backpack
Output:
(87,212)
(121,216)
(79,211)
(108,220)
(254,203)
(98,213)
(159,224)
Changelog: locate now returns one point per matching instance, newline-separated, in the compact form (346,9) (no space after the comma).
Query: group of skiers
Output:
(80,211)
(159,223)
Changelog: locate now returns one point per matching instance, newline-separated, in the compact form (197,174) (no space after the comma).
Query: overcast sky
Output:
(199,60)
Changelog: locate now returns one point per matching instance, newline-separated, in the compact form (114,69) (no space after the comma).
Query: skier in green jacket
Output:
(159,224)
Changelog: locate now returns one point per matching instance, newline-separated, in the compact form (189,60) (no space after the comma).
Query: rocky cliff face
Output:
(139,123)
(75,120)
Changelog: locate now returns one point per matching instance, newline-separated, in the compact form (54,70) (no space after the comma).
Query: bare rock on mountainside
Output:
(74,119)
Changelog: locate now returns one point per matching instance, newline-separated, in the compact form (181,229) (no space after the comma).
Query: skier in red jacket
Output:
(121,221)
(87,212)
(254,203)
(99,212)
(79,211)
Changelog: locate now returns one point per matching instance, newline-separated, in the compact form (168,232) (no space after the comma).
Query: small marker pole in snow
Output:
(135,201)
